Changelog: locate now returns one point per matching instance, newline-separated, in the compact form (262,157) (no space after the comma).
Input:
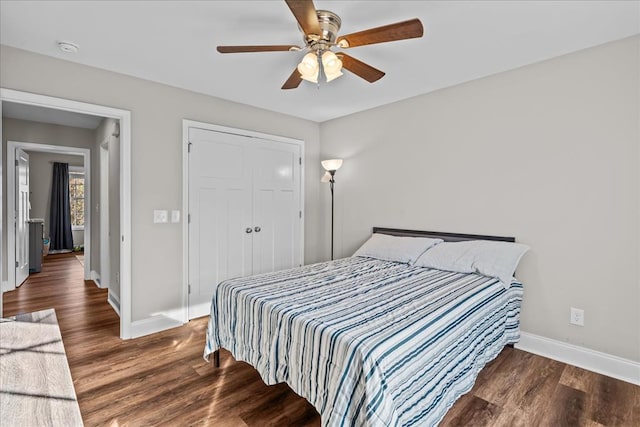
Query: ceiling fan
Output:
(320,30)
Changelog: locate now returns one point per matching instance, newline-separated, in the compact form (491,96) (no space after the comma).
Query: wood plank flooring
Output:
(162,379)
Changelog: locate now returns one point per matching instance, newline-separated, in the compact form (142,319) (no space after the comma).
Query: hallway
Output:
(79,304)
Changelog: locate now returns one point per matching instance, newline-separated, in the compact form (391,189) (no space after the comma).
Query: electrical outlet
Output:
(577,316)
(175,216)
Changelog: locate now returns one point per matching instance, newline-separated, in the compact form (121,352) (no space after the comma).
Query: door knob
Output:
(257,229)
(248,230)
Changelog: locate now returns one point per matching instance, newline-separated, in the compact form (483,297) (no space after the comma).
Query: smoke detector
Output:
(68,47)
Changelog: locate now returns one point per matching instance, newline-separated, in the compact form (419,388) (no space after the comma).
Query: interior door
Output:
(220,227)
(276,206)
(22,216)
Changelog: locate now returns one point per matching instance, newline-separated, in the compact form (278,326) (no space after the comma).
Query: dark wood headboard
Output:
(447,237)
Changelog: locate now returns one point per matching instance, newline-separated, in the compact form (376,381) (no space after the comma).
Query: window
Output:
(76,195)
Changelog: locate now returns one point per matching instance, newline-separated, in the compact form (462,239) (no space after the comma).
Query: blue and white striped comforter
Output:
(367,342)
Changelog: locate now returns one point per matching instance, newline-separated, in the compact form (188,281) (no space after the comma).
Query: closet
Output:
(245,209)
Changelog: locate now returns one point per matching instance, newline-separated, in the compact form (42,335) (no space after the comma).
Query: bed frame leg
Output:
(216,358)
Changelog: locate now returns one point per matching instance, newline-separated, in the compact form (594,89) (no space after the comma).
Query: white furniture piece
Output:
(245,210)
(36,387)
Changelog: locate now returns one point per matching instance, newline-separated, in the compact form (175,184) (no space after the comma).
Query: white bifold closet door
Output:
(244,210)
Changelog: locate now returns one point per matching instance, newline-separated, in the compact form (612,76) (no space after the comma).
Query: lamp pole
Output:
(331,166)
(331,182)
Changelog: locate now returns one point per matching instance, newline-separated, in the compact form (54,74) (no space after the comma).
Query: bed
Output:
(368,342)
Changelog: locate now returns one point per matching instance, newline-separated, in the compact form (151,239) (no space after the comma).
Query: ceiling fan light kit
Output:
(309,68)
(332,65)
(320,33)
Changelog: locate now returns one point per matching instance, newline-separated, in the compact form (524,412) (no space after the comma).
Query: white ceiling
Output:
(174,42)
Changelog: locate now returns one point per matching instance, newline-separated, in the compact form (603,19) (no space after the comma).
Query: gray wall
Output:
(40,178)
(547,153)
(157,113)
(40,133)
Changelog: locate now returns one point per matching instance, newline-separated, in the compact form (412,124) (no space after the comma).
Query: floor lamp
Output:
(331,166)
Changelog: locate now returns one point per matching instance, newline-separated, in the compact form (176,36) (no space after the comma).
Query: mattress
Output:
(367,342)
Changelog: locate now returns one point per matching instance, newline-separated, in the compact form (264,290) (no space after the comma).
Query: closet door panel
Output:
(244,201)
(276,195)
(220,207)
(238,259)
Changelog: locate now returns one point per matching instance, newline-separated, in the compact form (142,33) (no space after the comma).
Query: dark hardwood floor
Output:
(162,379)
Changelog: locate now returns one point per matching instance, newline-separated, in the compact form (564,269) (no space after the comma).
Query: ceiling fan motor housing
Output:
(329,26)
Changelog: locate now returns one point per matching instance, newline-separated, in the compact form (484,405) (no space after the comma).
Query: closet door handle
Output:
(257,229)
(248,230)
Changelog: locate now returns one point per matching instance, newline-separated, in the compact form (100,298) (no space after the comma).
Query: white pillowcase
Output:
(395,248)
(489,258)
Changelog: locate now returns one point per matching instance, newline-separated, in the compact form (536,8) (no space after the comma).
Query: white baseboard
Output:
(114,302)
(114,297)
(153,324)
(5,286)
(199,310)
(96,279)
(591,360)
(178,314)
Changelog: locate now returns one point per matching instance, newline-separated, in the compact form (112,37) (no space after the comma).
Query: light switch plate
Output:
(175,216)
(160,217)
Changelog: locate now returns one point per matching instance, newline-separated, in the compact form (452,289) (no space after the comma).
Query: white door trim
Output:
(124,116)
(105,256)
(186,125)
(11,194)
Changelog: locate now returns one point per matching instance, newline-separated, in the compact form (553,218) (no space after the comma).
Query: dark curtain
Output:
(60,215)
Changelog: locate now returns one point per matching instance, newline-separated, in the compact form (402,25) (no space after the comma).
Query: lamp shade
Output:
(330,62)
(331,164)
(332,76)
(309,68)
(332,65)
(326,177)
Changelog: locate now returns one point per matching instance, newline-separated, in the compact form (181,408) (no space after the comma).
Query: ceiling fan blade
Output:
(264,48)
(359,68)
(399,31)
(293,81)
(305,13)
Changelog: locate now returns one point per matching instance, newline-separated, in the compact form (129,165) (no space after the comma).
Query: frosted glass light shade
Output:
(332,65)
(331,164)
(313,78)
(309,68)
(326,177)
(332,76)
(330,62)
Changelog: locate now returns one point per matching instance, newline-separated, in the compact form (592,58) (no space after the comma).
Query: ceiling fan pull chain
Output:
(320,67)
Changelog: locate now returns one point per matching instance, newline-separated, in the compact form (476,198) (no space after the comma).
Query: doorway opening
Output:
(123,237)
(18,153)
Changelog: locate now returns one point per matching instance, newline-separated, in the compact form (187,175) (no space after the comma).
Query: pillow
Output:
(489,258)
(395,248)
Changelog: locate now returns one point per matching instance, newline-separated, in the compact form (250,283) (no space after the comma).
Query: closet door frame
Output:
(188,124)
